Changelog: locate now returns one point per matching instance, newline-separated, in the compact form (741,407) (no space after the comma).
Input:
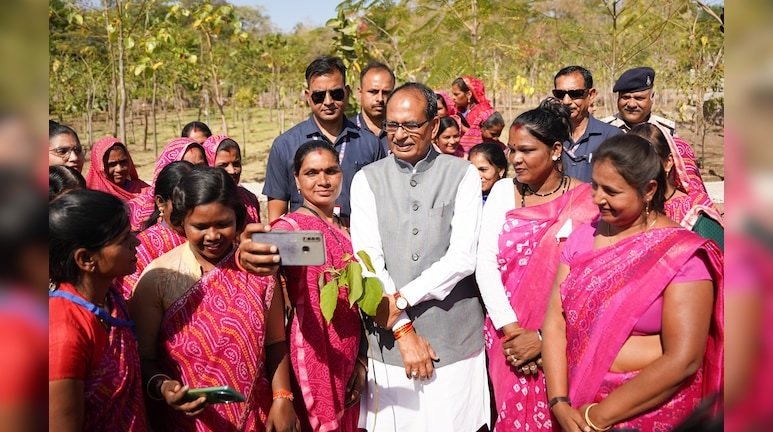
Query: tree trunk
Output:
(112,106)
(121,77)
(153,110)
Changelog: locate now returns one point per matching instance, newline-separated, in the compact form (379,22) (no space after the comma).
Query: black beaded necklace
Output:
(526,188)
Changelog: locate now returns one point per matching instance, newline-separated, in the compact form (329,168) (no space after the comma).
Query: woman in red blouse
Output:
(94,375)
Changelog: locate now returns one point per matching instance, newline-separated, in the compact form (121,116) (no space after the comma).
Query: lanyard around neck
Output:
(94,309)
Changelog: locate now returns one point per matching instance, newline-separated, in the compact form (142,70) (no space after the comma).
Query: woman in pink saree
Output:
(204,322)
(112,170)
(527,222)
(329,375)
(158,235)
(686,196)
(94,374)
(224,152)
(469,95)
(177,149)
(634,328)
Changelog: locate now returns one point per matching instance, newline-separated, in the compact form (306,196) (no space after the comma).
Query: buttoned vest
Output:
(414,209)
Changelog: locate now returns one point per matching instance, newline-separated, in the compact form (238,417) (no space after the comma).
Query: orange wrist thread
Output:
(283,394)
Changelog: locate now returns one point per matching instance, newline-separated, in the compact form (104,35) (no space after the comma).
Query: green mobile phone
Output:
(223,394)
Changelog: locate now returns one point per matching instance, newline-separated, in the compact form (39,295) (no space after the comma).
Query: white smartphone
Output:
(296,248)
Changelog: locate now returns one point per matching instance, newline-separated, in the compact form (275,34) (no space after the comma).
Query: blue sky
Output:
(286,13)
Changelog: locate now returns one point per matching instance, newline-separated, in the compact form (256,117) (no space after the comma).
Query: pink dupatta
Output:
(686,209)
(97,179)
(213,336)
(323,355)
(605,294)
(477,114)
(143,205)
(247,198)
(528,261)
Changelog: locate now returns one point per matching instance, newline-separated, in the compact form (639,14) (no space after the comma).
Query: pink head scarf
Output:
(143,205)
(210,147)
(174,151)
(450,106)
(478,89)
(97,179)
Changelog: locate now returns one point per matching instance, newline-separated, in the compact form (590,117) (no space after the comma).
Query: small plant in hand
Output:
(366,292)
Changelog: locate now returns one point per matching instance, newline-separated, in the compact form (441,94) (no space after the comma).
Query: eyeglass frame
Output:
(314,95)
(406,126)
(572,96)
(77,150)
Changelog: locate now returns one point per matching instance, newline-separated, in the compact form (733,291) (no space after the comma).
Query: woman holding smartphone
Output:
(328,371)
(203,322)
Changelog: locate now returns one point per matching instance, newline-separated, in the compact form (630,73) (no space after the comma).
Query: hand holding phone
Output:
(296,248)
(222,394)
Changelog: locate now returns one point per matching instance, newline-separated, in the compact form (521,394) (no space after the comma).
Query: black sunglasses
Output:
(573,94)
(319,96)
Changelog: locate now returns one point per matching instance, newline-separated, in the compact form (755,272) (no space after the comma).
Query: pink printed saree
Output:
(247,198)
(528,260)
(606,292)
(323,355)
(154,242)
(142,206)
(685,209)
(214,336)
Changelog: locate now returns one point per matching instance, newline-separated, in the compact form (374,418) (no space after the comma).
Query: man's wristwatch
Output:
(400,301)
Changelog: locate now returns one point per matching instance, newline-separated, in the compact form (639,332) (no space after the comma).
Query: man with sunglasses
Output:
(417,214)
(326,93)
(635,93)
(573,86)
(376,84)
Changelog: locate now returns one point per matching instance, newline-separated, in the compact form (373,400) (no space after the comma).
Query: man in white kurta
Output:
(417,214)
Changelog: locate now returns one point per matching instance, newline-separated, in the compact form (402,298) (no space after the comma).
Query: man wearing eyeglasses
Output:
(635,93)
(326,94)
(376,84)
(417,215)
(573,86)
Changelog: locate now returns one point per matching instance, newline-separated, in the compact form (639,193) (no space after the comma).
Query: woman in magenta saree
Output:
(177,149)
(634,330)
(686,195)
(518,252)
(224,152)
(158,236)
(204,322)
(324,356)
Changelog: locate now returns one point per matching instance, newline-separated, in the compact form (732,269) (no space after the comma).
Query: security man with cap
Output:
(634,101)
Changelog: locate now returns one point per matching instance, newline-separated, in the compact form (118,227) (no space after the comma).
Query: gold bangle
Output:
(590,423)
